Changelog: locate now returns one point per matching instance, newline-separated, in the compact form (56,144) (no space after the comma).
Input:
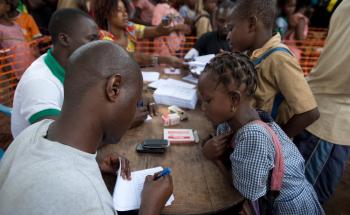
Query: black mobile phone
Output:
(155,143)
(153,146)
(141,149)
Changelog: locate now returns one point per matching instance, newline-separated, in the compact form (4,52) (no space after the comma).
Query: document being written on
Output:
(127,194)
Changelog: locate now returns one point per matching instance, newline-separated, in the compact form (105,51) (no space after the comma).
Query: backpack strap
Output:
(278,170)
(276,104)
(279,97)
(266,203)
(269,52)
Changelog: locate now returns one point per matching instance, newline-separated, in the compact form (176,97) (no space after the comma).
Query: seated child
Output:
(286,9)
(261,154)
(188,11)
(11,37)
(282,89)
(204,20)
(296,26)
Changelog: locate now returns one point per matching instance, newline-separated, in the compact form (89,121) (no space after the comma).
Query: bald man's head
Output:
(101,75)
(99,60)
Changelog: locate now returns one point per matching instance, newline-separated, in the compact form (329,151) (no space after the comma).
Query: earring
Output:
(233,109)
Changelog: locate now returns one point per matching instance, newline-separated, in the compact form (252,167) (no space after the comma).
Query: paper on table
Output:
(204,58)
(150,76)
(170,83)
(127,194)
(175,95)
(197,66)
(190,78)
(172,71)
(157,84)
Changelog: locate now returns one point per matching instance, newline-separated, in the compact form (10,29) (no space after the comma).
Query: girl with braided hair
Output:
(264,164)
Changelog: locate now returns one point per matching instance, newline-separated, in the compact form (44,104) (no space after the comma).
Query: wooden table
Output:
(199,187)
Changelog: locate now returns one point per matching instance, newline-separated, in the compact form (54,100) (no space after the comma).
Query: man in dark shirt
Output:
(213,42)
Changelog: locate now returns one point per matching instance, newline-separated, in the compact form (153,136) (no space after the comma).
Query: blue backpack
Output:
(279,97)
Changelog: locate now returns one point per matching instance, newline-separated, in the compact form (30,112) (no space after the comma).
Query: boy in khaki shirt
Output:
(325,144)
(282,89)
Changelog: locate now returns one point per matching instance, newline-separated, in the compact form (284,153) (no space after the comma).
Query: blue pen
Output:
(165,172)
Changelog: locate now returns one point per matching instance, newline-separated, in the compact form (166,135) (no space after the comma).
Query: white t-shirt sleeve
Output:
(41,98)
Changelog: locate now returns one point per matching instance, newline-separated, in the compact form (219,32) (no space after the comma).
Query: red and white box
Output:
(180,136)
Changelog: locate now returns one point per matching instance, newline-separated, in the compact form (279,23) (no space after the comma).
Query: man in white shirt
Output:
(50,168)
(39,94)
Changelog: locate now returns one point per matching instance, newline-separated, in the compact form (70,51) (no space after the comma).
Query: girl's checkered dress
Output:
(253,158)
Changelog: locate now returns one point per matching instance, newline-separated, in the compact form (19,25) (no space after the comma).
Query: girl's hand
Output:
(215,147)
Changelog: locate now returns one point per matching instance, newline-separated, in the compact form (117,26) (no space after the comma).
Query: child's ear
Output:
(64,39)
(235,97)
(253,22)
(113,87)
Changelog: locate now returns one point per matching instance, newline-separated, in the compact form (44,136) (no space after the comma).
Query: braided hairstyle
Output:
(234,67)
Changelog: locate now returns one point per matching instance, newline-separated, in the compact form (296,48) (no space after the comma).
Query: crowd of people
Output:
(281,140)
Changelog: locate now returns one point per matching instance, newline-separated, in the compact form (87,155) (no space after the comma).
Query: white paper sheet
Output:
(150,76)
(127,194)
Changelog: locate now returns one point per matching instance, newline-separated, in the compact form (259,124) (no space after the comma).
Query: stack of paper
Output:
(174,95)
(171,83)
(127,194)
(150,76)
